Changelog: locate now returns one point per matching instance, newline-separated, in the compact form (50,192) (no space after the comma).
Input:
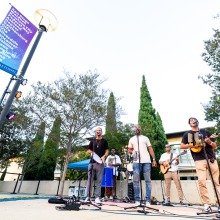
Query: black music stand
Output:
(79,185)
(142,202)
(213,184)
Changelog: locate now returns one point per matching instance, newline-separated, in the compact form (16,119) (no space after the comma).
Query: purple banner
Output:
(16,33)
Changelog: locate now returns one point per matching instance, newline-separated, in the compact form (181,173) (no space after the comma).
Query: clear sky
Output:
(124,40)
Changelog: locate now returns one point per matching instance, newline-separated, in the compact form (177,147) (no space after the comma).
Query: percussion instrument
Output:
(122,169)
(130,167)
(97,158)
(107,178)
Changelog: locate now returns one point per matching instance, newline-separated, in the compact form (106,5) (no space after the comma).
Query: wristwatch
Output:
(153,158)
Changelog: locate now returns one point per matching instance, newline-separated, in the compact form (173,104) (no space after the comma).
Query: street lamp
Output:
(46,22)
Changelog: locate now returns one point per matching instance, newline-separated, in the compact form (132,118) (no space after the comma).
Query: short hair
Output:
(98,128)
(167,145)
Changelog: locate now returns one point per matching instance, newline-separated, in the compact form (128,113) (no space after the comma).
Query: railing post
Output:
(16,184)
(58,187)
(37,188)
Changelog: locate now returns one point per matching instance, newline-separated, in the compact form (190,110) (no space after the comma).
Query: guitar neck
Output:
(175,158)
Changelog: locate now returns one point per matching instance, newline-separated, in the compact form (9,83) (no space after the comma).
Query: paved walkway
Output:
(36,207)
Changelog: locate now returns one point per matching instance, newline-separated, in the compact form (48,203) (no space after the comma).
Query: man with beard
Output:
(98,149)
(200,143)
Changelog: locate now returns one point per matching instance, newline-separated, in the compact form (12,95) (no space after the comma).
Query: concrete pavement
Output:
(36,207)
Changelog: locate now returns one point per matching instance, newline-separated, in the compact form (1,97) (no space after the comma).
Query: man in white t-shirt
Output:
(170,173)
(113,161)
(140,147)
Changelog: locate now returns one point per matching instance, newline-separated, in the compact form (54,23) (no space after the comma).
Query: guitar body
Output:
(196,149)
(200,144)
(164,169)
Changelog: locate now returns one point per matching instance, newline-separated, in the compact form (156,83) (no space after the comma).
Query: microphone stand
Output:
(162,189)
(213,184)
(114,181)
(142,202)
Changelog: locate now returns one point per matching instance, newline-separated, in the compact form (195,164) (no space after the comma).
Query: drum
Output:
(130,167)
(122,169)
(97,158)
(107,178)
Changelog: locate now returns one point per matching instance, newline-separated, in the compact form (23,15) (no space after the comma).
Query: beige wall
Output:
(190,189)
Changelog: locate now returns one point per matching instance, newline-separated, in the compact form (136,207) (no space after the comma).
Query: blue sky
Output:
(124,40)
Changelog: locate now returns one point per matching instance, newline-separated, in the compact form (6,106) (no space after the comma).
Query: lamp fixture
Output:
(10,116)
(18,94)
(24,82)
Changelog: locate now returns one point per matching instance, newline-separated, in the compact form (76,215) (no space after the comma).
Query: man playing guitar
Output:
(170,172)
(196,138)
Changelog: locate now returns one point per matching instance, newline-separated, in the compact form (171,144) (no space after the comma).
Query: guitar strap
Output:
(171,157)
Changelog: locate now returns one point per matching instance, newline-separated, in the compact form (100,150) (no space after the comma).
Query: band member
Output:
(140,147)
(171,174)
(98,146)
(113,161)
(199,142)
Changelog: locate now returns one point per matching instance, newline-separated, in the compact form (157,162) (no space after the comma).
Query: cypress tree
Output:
(31,165)
(111,124)
(151,125)
(50,153)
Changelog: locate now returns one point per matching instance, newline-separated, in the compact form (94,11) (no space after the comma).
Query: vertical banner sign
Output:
(16,33)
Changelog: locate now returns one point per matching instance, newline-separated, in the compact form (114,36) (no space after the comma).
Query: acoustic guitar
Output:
(201,143)
(164,169)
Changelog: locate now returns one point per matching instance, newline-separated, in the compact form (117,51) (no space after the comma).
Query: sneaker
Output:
(87,199)
(97,200)
(111,197)
(207,208)
(148,204)
(182,203)
(167,204)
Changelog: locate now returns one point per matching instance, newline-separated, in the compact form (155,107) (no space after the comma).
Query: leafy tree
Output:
(50,153)
(151,125)
(14,140)
(32,160)
(212,57)
(80,102)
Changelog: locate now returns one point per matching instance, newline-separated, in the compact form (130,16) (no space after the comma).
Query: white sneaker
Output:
(111,197)
(87,199)
(148,204)
(207,208)
(97,200)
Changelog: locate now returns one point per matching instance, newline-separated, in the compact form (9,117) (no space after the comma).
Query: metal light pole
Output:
(6,90)
(47,22)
